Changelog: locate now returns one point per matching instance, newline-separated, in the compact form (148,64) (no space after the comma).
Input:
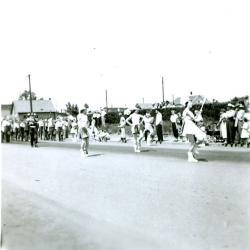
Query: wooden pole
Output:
(106,94)
(31,108)
(162,81)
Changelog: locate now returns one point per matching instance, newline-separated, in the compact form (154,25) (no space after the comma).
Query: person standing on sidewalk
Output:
(239,120)
(230,116)
(158,124)
(122,126)
(40,128)
(173,119)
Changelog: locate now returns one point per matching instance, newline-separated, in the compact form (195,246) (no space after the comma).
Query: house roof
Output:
(146,105)
(6,107)
(196,99)
(23,106)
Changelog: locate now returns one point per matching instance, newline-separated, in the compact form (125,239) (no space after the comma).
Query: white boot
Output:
(191,157)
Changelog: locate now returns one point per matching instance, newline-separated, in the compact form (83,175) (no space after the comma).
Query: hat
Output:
(230,105)
(137,106)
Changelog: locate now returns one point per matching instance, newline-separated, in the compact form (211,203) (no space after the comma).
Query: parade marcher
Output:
(122,126)
(194,134)
(230,116)
(33,130)
(158,124)
(40,128)
(83,124)
(239,116)
(173,119)
(136,120)
(148,130)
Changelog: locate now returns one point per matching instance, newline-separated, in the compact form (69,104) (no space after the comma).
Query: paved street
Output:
(119,200)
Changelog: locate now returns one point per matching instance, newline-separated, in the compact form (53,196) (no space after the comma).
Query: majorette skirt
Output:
(190,128)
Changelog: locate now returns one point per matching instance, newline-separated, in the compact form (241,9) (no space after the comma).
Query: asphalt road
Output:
(117,199)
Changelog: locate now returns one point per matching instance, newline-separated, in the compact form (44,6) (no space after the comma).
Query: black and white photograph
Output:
(125,125)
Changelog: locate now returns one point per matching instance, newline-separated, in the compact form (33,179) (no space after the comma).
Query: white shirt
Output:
(40,123)
(158,119)
(230,113)
(103,113)
(59,124)
(16,125)
(122,122)
(82,120)
(135,118)
(148,122)
(173,118)
(50,123)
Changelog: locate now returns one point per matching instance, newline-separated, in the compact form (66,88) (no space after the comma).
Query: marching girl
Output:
(148,129)
(194,134)
(136,120)
(83,124)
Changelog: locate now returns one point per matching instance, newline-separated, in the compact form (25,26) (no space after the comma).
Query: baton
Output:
(203,104)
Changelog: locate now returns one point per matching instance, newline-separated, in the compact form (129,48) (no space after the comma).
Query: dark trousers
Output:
(41,133)
(159,132)
(146,134)
(26,135)
(60,134)
(46,133)
(7,133)
(16,133)
(52,133)
(22,133)
(238,131)
(230,132)
(33,137)
(175,130)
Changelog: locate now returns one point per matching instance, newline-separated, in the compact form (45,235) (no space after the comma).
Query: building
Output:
(42,108)
(6,110)
(196,99)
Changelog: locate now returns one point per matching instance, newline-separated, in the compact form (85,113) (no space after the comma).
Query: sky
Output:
(75,50)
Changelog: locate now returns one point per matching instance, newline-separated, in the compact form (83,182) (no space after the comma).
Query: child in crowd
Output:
(245,133)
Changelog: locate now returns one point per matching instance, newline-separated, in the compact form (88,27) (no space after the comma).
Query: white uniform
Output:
(82,121)
(190,127)
(122,126)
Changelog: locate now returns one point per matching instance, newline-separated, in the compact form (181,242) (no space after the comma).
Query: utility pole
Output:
(143,100)
(162,81)
(31,109)
(106,94)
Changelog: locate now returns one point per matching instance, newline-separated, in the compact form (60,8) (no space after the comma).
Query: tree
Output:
(26,95)
(72,109)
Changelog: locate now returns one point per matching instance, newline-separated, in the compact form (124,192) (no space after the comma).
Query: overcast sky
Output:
(74,50)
